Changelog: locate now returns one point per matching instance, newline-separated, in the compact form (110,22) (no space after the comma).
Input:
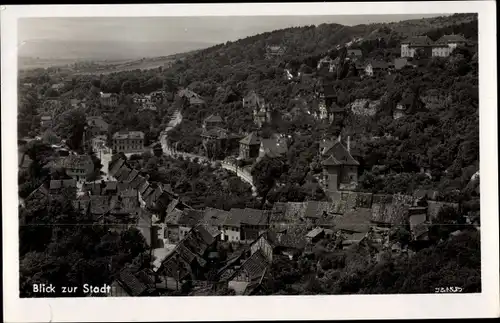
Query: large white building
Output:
(443,47)
(128,142)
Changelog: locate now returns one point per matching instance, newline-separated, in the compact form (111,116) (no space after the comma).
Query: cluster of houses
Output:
(150,101)
(193,240)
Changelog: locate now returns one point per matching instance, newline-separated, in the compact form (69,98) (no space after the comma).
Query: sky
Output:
(212,30)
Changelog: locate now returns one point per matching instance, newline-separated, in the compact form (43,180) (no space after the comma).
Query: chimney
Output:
(349,143)
(339,139)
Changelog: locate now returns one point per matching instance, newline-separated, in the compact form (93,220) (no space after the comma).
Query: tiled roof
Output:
(63,183)
(98,122)
(128,135)
(215,217)
(293,237)
(110,186)
(429,194)
(107,95)
(123,173)
(355,237)
(339,155)
(115,166)
(234,218)
(399,63)
(418,41)
(356,52)
(207,233)
(382,199)
(132,175)
(277,214)
(255,266)
(215,132)
(253,99)
(394,212)
(378,64)
(254,217)
(144,225)
(315,209)
(213,118)
(124,205)
(77,161)
(451,39)
(138,182)
(251,139)
(173,216)
(93,188)
(314,232)
(99,204)
(357,220)
(364,200)
(191,218)
(132,283)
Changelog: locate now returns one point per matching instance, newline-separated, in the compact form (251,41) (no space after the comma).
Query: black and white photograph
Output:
(163,156)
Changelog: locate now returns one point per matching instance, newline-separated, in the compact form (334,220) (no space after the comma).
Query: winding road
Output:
(169,151)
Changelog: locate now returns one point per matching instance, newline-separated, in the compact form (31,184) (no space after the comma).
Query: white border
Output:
(485,304)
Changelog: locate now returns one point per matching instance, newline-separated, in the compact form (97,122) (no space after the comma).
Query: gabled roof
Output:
(63,183)
(255,266)
(216,132)
(77,161)
(131,283)
(357,220)
(213,118)
(191,217)
(446,39)
(378,64)
(93,188)
(355,52)
(98,122)
(315,209)
(254,217)
(234,218)
(314,232)
(418,41)
(215,217)
(251,139)
(338,155)
(111,186)
(115,166)
(173,216)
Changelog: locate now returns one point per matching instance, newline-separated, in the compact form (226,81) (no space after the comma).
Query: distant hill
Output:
(104,50)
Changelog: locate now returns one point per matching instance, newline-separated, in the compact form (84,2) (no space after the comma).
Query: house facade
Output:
(376,68)
(109,99)
(96,126)
(78,166)
(250,146)
(128,142)
(340,169)
(445,45)
(212,121)
(410,46)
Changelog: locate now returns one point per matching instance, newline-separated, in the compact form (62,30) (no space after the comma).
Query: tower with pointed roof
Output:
(340,169)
